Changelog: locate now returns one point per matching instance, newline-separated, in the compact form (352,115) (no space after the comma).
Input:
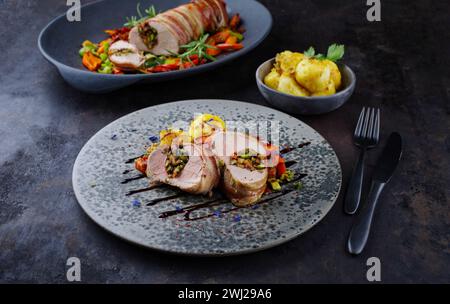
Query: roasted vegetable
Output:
(91,62)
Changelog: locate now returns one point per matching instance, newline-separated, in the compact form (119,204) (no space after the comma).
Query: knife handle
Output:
(360,230)
(353,195)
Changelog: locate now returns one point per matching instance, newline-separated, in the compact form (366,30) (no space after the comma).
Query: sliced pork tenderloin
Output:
(166,32)
(125,55)
(197,177)
(244,186)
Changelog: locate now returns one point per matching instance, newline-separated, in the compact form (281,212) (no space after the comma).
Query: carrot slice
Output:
(213,51)
(231,40)
(91,62)
(235,21)
(220,37)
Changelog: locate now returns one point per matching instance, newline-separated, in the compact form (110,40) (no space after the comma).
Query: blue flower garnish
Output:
(136,203)
(237,218)
(218,213)
(153,138)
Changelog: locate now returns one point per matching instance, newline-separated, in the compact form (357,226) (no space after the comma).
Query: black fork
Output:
(367,135)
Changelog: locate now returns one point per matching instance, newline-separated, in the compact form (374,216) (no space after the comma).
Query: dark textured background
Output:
(402,65)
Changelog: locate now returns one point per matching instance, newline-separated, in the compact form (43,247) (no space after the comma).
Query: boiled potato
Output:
(272,79)
(313,74)
(287,61)
(288,85)
(335,73)
(330,90)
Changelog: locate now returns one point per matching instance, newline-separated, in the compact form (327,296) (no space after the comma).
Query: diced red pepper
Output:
(281,167)
(141,164)
(164,68)
(192,63)
(229,47)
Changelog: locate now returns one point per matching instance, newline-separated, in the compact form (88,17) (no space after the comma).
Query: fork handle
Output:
(360,231)
(353,195)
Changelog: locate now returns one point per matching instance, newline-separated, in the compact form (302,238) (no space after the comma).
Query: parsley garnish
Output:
(335,52)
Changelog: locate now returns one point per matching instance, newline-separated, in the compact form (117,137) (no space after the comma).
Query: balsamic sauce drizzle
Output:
(166,198)
(289,149)
(220,201)
(131,160)
(127,180)
(216,202)
(142,190)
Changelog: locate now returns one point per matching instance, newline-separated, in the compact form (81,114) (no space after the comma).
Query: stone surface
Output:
(402,66)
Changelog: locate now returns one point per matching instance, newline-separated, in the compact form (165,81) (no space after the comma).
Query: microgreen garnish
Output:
(298,186)
(133,20)
(197,47)
(154,61)
(335,52)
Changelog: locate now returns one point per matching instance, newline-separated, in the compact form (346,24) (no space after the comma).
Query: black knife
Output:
(383,172)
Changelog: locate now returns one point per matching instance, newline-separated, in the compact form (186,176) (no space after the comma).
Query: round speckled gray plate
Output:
(101,168)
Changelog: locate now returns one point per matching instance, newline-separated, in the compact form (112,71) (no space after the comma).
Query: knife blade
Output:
(385,167)
(389,159)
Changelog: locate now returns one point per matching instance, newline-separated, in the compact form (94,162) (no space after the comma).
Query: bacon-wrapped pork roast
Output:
(165,33)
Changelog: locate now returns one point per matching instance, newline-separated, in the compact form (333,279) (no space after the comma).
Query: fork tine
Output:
(366,124)
(377,126)
(371,124)
(359,125)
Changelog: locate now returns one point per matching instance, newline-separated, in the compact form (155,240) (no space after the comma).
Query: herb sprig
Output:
(197,47)
(135,20)
(335,52)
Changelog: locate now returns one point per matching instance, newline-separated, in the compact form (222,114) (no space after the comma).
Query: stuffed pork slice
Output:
(244,160)
(238,194)
(225,144)
(156,37)
(192,176)
(125,55)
